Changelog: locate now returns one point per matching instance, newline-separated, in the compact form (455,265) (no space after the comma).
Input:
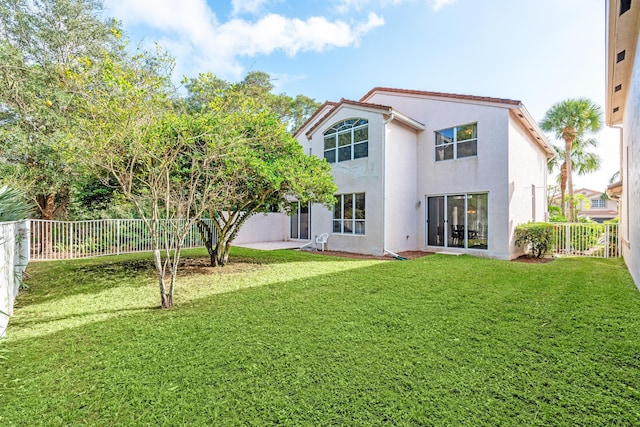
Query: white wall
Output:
(486,173)
(270,227)
(14,256)
(630,225)
(355,176)
(527,167)
(401,212)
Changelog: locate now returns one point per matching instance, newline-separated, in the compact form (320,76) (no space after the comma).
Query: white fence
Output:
(51,240)
(14,256)
(586,239)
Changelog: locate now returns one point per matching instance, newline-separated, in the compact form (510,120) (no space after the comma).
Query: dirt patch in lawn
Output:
(532,260)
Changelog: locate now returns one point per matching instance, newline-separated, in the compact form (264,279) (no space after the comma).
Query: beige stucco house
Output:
(426,171)
(595,205)
(623,112)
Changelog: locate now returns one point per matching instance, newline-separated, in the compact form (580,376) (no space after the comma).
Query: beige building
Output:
(623,112)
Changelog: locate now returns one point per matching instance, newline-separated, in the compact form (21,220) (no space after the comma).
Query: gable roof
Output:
(384,109)
(515,106)
(450,96)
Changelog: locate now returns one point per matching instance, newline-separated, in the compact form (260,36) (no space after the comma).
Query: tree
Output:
(263,171)
(206,89)
(570,120)
(41,40)
(161,159)
(582,161)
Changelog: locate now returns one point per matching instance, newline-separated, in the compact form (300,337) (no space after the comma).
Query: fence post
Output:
(567,239)
(606,240)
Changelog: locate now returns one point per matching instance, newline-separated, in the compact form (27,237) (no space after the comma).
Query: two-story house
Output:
(427,171)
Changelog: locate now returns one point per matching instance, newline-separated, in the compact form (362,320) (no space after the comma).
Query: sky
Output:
(539,52)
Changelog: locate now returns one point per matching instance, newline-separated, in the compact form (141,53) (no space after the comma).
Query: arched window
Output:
(347,140)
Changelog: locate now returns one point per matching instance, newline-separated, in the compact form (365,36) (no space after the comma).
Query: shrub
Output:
(536,237)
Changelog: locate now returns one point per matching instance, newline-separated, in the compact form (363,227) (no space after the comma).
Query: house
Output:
(599,208)
(429,171)
(623,111)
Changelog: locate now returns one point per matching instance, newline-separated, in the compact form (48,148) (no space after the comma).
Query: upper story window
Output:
(347,140)
(457,142)
(598,204)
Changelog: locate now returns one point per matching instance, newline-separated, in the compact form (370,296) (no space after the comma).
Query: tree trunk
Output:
(563,188)
(569,135)
(167,301)
(47,208)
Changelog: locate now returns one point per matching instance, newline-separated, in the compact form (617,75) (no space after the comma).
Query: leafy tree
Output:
(570,120)
(41,40)
(205,90)
(262,172)
(160,159)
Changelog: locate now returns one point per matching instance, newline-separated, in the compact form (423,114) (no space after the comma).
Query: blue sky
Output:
(539,52)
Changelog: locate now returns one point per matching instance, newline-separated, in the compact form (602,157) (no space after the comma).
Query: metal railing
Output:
(51,240)
(586,239)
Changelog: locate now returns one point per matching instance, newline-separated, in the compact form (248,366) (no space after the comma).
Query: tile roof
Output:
(442,95)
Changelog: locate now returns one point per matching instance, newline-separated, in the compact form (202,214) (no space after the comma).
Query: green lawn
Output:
(289,338)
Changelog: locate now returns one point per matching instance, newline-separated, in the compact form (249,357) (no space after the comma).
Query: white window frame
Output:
(349,226)
(347,128)
(454,142)
(598,204)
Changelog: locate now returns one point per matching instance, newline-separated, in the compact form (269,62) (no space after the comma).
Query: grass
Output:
(289,338)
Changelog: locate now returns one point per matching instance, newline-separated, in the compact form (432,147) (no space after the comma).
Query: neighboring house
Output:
(600,208)
(623,111)
(427,171)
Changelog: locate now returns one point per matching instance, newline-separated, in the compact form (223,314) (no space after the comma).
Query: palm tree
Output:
(12,205)
(583,162)
(570,120)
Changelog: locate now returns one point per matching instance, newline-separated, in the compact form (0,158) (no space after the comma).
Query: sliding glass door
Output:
(457,221)
(299,228)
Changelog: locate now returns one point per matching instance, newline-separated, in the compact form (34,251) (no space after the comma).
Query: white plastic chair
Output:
(322,240)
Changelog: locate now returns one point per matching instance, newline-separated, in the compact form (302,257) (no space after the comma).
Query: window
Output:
(598,204)
(347,140)
(458,221)
(457,142)
(348,214)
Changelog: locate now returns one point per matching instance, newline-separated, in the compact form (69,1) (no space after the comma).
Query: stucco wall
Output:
(486,173)
(400,189)
(527,168)
(271,227)
(354,176)
(631,182)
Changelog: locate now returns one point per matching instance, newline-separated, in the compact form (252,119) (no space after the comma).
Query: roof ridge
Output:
(441,95)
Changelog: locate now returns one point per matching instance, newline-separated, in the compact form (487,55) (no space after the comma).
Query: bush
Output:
(536,237)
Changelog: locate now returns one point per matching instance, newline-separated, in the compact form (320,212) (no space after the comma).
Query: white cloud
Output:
(247,6)
(193,35)
(439,4)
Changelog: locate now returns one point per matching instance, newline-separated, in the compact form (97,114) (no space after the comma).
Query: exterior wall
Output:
(486,173)
(527,183)
(355,176)
(631,179)
(271,227)
(401,200)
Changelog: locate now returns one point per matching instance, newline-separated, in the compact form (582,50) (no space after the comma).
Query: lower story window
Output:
(348,214)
